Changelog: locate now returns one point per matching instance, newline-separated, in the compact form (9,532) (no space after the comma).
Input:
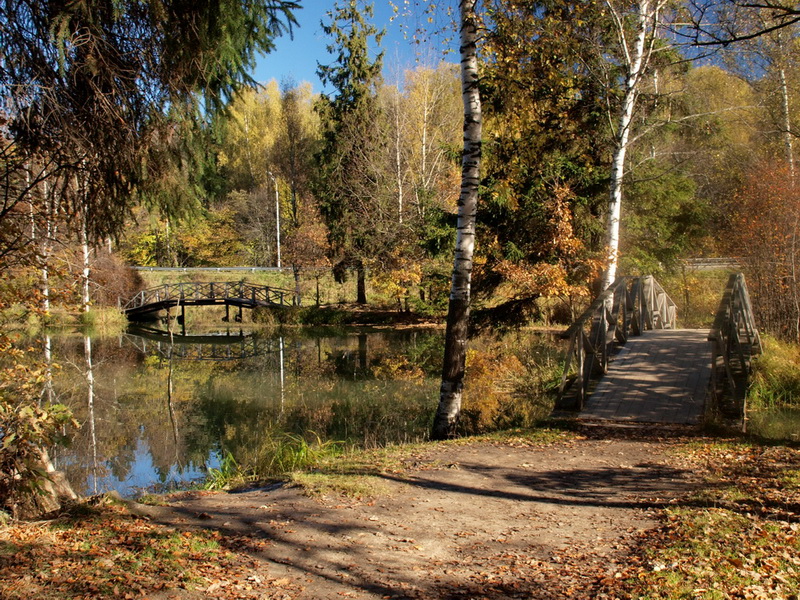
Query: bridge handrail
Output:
(735,339)
(627,307)
(209,290)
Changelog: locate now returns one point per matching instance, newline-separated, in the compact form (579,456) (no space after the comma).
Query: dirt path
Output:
(487,520)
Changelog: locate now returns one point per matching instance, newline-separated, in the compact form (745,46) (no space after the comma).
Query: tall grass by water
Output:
(773,399)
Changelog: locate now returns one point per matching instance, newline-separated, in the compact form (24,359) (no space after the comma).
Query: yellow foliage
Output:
(393,368)
(491,376)
(396,277)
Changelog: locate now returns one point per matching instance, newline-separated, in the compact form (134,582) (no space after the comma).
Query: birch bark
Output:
(635,57)
(446,420)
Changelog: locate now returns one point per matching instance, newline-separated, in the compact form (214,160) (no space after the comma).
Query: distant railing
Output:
(735,340)
(629,306)
(702,264)
(211,292)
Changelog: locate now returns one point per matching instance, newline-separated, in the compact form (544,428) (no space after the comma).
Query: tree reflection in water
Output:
(160,412)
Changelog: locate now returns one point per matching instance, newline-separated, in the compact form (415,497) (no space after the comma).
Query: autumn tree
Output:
(351,181)
(766,226)
(293,157)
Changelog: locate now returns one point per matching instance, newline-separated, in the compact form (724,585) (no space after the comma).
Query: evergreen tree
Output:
(113,93)
(350,177)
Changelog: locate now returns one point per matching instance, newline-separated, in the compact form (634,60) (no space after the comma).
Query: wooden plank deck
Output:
(659,377)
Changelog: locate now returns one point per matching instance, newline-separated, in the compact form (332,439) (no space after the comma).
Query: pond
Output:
(157,412)
(778,424)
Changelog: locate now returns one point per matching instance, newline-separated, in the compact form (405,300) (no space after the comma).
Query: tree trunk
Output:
(86,295)
(277,222)
(636,61)
(455,352)
(296,273)
(787,124)
(361,284)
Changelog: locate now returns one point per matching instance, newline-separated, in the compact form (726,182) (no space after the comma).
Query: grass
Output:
(275,457)
(104,321)
(776,376)
(348,486)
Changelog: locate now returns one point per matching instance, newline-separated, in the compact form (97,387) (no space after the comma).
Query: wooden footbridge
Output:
(628,362)
(145,305)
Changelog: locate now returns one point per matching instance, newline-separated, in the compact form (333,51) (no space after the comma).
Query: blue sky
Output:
(297,58)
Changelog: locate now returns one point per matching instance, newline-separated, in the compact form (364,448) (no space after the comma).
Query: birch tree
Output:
(447,414)
(637,31)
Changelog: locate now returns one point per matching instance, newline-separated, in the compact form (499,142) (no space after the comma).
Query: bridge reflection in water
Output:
(224,346)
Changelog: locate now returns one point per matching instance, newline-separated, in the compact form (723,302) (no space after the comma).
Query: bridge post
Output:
(579,379)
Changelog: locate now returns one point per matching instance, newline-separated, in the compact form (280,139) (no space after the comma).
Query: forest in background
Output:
(365,178)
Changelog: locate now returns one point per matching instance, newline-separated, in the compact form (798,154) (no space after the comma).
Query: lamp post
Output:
(277,217)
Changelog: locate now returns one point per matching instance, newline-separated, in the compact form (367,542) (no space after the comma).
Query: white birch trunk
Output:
(87,352)
(47,245)
(277,221)
(398,157)
(86,299)
(636,59)
(423,167)
(447,414)
(787,124)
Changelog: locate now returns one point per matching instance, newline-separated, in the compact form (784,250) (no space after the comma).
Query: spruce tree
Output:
(349,180)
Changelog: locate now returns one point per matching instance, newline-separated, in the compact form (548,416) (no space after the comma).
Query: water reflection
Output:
(157,409)
(776,424)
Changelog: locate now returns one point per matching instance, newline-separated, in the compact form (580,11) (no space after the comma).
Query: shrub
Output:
(26,429)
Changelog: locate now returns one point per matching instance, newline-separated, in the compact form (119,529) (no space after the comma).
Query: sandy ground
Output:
(482,520)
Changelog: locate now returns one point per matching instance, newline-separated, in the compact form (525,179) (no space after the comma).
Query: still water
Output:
(157,412)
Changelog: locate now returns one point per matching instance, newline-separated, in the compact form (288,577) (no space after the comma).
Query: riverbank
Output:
(527,514)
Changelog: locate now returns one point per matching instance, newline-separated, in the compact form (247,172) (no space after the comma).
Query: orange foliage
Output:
(765,235)
(566,264)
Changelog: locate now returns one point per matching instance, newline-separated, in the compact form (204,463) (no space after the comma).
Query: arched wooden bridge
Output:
(628,362)
(147,303)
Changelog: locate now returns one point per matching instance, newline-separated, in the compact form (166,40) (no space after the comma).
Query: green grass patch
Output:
(331,484)
(776,376)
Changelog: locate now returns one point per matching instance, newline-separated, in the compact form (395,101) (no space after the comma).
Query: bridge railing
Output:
(629,306)
(735,339)
(214,290)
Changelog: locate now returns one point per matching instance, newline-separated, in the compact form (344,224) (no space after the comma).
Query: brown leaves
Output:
(737,537)
(111,553)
